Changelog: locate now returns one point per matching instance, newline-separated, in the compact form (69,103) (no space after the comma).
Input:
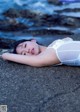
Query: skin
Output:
(30,48)
(39,57)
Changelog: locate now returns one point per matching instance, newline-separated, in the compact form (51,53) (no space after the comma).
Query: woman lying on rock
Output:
(61,51)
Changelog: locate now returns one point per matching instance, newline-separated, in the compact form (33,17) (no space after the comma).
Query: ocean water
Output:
(70,1)
(40,7)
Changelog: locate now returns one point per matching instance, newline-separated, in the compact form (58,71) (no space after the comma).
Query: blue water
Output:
(36,5)
(69,1)
(39,7)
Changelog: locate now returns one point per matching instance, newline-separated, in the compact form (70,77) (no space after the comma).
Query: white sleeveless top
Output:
(68,52)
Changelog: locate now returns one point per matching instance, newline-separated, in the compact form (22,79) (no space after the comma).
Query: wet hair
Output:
(19,42)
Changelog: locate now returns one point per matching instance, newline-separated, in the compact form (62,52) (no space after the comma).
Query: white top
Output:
(68,52)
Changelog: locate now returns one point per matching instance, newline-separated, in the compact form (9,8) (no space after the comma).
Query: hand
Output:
(4,55)
(3,51)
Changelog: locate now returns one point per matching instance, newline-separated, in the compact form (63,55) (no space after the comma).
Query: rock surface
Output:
(44,16)
(47,89)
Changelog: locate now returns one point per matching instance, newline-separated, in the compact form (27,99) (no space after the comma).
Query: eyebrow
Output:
(19,45)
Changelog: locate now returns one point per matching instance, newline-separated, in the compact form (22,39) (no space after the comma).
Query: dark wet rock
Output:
(45,21)
(15,13)
(12,13)
(56,2)
(28,14)
(49,32)
(17,19)
(68,10)
(69,21)
(6,43)
(8,28)
(20,17)
(25,14)
(9,24)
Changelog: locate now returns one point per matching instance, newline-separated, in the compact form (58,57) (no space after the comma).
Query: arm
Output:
(43,59)
(23,59)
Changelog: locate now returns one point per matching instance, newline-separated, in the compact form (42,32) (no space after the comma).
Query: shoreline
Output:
(7,44)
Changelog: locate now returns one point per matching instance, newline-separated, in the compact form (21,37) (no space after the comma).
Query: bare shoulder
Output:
(48,57)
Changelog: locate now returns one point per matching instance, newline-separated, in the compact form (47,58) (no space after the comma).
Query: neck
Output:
(42,48)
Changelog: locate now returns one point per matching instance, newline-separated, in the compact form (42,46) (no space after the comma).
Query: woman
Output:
(61,51)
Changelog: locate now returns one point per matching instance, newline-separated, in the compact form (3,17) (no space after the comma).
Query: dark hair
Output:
(20,41)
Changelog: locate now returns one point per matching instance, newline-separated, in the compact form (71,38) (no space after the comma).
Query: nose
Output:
(28,50)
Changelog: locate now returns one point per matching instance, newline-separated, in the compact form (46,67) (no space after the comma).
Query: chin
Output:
(36,52)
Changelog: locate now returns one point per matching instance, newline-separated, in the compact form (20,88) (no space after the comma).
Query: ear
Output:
(33,40)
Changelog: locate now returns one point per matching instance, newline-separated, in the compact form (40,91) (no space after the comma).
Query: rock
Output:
(9,27)
(28,14)
(15,13)
(32,20)
(50,32)
(56,2)
(11,24)
(6,43)
(12,13)
(68,10)
(70,21)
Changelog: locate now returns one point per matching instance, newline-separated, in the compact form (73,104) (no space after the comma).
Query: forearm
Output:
(23,59)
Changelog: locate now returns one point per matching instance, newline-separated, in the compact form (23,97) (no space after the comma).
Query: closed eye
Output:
(23,53)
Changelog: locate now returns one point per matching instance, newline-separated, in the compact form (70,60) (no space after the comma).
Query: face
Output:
(28,48)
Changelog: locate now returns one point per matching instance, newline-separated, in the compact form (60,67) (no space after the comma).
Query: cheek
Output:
(18,50)
(36,48)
